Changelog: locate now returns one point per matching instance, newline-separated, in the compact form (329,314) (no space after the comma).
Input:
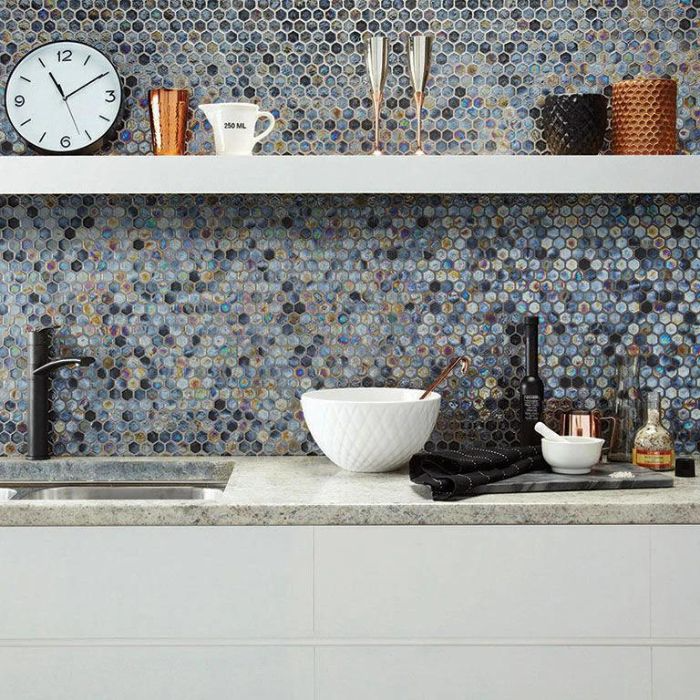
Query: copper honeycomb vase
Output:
(644,117)
(574,125)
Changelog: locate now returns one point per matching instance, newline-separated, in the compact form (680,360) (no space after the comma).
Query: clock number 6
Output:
(111,97)
(64,56)
(65,142)
(19,101)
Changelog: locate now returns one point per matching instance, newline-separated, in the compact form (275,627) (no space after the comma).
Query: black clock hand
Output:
(58,87)
(63,95)
(89,82)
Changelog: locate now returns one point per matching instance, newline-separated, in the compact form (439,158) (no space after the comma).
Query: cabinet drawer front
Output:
(483,673)
(156,582)
(675,672)
(156,673)
(675,581)
(482,582)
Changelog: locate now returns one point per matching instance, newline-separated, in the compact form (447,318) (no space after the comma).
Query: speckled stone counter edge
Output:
(311,491)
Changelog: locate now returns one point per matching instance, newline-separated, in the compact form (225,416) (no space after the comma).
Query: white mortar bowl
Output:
(370,429)
(575,456)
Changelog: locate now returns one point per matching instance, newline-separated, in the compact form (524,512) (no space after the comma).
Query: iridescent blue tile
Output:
(209,316)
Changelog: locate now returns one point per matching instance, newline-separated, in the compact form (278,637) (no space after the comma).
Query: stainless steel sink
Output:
(121,492)
(114,478)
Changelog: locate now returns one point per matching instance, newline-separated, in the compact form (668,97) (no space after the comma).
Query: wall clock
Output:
(64,97)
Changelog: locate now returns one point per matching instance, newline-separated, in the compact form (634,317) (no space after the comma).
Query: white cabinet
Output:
(675,611)
(482,582)
(156,583)
(676,673)
(483,673)
(156,673)
(335,613)
(675,581)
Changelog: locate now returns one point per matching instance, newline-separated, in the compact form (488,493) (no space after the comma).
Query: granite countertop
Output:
(311,491)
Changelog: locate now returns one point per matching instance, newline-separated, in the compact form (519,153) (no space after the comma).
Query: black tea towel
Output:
(454,474)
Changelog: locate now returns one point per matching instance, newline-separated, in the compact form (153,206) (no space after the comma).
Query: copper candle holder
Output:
(644,117)
(169,112)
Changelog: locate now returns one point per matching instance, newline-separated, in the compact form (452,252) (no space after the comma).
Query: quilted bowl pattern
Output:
(370,429)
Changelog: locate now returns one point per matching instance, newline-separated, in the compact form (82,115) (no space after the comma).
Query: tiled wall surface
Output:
(494,61)
(208,316)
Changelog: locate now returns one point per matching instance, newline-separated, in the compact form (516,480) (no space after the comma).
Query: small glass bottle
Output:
(628,407)
(653,444)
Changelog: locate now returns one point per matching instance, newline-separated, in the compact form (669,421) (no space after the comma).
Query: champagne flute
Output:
(419,48)
(377,55)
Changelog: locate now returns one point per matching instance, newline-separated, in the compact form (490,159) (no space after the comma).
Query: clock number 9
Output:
(65,142)
(19,101)
(64,56)
(111,97)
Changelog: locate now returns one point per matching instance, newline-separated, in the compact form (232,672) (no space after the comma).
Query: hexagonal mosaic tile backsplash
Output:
(208,316)
(493,63)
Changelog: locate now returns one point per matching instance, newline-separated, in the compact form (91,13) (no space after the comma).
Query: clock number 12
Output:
(64,55)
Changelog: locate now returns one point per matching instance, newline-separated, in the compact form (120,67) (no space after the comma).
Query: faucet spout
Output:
(63,362)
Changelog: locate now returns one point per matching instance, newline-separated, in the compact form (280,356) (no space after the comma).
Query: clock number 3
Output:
(64,55)
(110,96)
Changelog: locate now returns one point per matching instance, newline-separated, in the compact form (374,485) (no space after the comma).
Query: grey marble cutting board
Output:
(599,478)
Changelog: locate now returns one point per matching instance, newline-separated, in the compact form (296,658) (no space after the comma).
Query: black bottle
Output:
(531,387)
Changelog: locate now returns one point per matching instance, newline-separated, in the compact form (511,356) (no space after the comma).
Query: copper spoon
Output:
(464,361)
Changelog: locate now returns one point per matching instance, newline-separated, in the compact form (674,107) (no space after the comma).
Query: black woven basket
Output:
(574,125)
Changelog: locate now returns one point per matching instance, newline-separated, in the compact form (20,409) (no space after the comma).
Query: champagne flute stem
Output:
(419,120)
(377,101)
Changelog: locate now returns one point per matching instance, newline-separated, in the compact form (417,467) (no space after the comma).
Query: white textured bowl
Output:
(575,456)
(370,429)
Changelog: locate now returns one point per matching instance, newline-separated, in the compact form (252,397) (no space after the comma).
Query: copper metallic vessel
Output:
(644,117)
(169,111)
(582,423)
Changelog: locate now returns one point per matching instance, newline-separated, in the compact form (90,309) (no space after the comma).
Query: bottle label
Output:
(531,407)
(660,460)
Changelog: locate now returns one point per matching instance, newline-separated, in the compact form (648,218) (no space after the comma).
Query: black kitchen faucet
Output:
(40,367)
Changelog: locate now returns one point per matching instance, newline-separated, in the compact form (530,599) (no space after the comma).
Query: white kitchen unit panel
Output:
(156,582)
(483,673)
(675,581)
(482,582)
(156,673)
(675,672)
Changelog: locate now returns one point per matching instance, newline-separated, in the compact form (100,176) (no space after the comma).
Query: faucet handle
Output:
(42,336)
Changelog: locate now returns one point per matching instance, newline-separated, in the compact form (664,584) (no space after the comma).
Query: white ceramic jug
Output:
(234,126)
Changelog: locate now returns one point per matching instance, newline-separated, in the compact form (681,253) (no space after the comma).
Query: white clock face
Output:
(63,97)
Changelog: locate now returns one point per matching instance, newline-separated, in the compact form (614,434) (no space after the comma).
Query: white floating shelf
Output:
(351,174)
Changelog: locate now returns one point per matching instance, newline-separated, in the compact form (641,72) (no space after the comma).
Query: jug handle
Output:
(265,132)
